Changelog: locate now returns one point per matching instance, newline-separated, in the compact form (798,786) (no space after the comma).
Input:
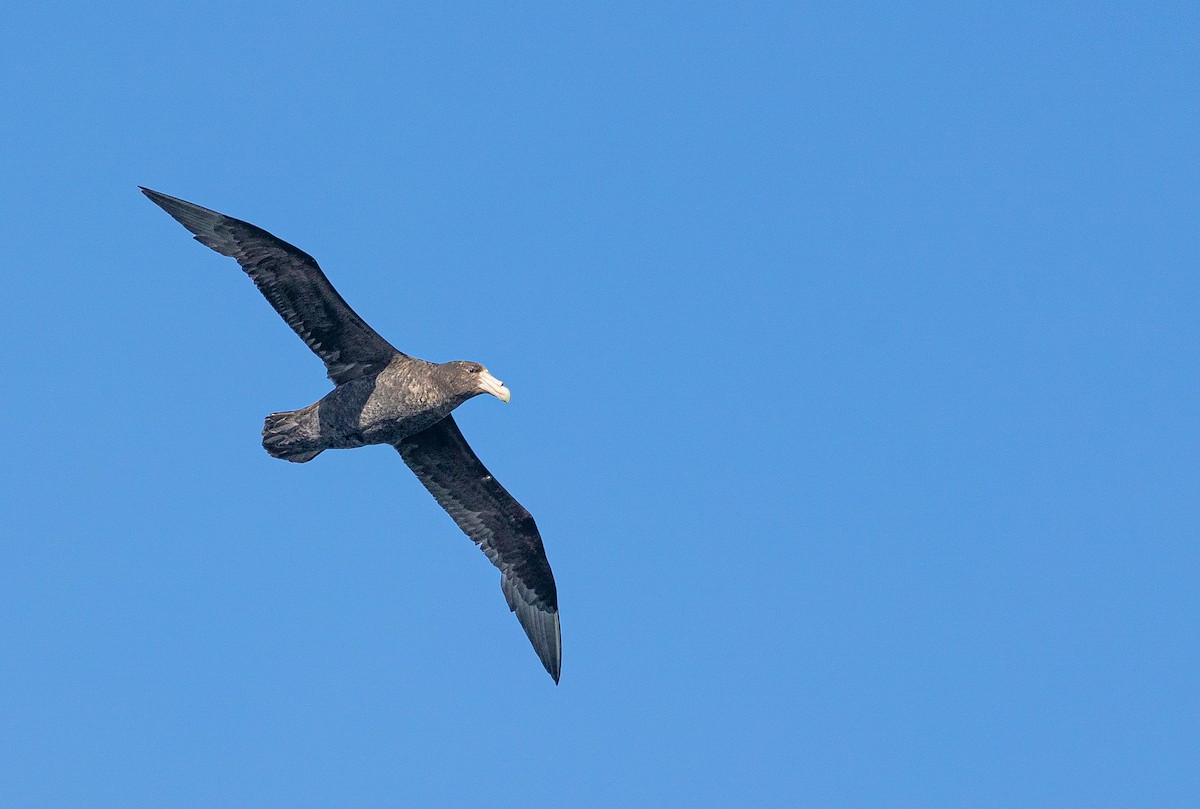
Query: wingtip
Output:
(550,652)
(157,197)
(557,670)
(541,625)
(553,668)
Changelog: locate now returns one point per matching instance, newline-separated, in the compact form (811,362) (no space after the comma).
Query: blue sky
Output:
(853,351)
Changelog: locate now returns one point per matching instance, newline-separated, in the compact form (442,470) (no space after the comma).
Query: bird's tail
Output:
(287,435)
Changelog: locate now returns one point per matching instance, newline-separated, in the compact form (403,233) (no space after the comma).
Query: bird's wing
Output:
(293,283)
(498,524)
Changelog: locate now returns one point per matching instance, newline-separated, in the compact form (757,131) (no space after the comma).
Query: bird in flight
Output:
(383,396)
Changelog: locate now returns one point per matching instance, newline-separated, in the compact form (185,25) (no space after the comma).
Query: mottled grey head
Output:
(471,378)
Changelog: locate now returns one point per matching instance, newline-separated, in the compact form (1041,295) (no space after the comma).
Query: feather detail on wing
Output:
(498,524)
(292,282)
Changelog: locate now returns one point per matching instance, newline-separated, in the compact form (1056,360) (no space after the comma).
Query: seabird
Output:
(383,396)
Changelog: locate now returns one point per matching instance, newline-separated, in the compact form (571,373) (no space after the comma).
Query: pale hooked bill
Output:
(492,385)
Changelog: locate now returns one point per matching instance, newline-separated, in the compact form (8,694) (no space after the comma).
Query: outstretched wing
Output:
(291,280)
(498,524)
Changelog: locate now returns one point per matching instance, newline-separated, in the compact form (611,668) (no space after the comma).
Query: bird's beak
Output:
(492,385)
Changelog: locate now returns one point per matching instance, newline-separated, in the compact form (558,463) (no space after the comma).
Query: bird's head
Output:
(472,379)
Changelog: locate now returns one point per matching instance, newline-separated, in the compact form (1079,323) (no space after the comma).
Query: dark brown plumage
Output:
(382,395)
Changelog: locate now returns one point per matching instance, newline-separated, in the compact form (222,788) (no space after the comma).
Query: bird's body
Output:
(383,396)
(403,399)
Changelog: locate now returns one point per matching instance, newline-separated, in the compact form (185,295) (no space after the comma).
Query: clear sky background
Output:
(853,351)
